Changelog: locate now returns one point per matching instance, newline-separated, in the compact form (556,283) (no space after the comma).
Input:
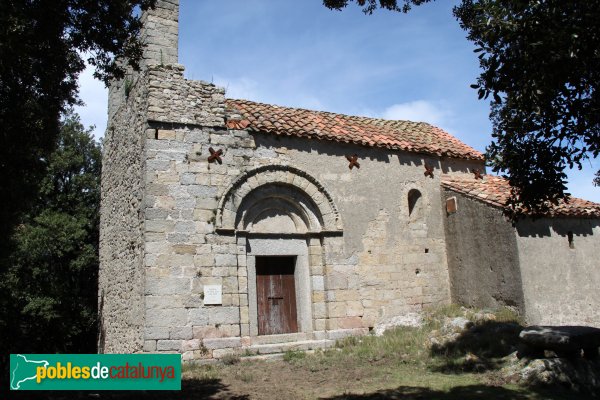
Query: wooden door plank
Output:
(276,295)
(290,314)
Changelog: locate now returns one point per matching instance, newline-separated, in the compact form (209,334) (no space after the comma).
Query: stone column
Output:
(243,287)
(319,312)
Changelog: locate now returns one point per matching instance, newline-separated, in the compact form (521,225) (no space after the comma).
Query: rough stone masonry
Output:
(187,243)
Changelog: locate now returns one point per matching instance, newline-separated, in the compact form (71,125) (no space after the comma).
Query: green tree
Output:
(43,46)
(49,301)
(541,68)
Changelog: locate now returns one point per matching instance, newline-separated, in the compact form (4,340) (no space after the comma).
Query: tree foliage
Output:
(43,46)
(371,5)
(49,290)
(540,64)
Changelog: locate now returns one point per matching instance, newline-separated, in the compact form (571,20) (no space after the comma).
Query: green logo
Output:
(95,372)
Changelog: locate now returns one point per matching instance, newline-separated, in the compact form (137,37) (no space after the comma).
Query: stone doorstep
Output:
(281,338)
(289,346)
(337,334)
(273,346)
(267,357)
(260,357)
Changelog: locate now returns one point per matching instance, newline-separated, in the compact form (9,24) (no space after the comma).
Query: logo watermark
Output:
(95,372)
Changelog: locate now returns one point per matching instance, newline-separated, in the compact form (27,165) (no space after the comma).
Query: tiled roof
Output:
(417,137)
(495,190)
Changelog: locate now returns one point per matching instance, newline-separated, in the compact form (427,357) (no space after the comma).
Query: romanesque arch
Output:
(277,199)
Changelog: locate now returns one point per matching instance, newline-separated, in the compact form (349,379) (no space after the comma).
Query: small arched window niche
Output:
(415,205)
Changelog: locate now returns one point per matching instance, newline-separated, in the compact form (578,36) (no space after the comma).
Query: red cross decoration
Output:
(215,155)
(428,171)
(477,173)
(353,161)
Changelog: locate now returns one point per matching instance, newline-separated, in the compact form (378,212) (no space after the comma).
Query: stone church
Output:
(234,226)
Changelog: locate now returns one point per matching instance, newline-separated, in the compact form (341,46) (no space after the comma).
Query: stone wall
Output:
(369,242)
(175,100)
(560,280)
(386,262)
(483,259)
(533,267)
(121,275)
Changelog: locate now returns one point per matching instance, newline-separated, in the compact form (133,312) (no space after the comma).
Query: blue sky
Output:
(298,53)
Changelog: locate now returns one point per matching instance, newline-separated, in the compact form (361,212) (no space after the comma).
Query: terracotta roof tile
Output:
(417,137)
(237,124)
(495,190)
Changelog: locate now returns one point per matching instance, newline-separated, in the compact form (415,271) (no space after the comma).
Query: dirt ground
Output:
(406,363)
(314,378)
(380,379)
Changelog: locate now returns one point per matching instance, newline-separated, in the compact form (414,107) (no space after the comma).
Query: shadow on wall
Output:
(458,165)
(444,165)
(566,227)
(326,147)
(101,330)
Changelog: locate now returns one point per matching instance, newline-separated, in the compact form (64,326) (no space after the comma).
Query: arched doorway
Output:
(280,217)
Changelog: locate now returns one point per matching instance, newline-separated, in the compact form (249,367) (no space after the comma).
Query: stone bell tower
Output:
(122,214)
(160,33)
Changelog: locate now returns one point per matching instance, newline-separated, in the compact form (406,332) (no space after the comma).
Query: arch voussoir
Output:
(295,180)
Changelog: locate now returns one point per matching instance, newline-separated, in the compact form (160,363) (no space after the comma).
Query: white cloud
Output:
(95,97)
(250,89)
(419,111)
(238,88)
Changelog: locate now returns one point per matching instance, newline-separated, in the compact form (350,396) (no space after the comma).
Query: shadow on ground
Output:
(196,389)
(475,392)
(477,349)
(213,389)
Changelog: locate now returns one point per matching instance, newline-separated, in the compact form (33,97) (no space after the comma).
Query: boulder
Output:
(458,324)
(565,341)
(414,320)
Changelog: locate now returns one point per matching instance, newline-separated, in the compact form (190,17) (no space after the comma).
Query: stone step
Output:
(265,357)
(282,338)
(290,346)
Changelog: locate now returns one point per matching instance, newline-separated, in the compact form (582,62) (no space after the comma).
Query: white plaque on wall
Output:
(213,294)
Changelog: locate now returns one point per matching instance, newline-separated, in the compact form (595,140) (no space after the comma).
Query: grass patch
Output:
(446,311)
(230,359)
(245,376)
(200,371)
(507,314)
(293,355)
(432,361)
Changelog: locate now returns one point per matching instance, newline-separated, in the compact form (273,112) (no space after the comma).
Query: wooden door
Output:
(276,295)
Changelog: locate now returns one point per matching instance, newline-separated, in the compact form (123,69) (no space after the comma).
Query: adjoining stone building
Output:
(547,267)
(230,225)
